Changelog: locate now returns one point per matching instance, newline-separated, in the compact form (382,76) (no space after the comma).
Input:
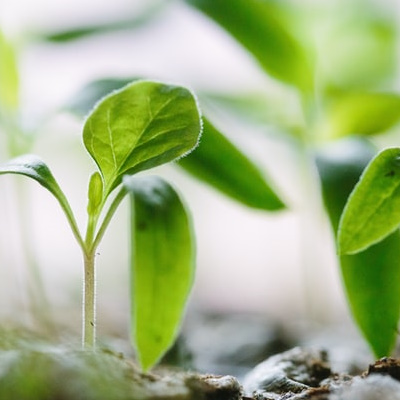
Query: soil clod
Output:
(386,366)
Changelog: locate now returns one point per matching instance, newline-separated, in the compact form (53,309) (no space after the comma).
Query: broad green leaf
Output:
(373,209)
(141,126)
(259,26)
(162,265)
(372,282)
(362,113)
(219,163)
(9,80)
(371,278)
(86,98)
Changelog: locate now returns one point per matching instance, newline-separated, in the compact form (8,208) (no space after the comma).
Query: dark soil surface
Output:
(216,358)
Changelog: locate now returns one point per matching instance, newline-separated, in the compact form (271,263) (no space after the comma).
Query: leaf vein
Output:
(161,133)
(110,136)
(151,119)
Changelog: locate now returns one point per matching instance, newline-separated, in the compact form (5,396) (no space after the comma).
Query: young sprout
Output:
(142,125)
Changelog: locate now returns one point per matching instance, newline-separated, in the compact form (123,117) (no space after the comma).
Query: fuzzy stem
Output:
(89,247)
(89,302)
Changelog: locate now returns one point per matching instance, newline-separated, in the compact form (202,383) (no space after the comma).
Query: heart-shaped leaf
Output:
(162,266)
(141,126)
(373,208)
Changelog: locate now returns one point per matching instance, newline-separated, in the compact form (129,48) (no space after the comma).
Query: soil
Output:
(217,358)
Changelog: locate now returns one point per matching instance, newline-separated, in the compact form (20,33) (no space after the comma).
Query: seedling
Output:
(138,127)
(340,90)
(328,85)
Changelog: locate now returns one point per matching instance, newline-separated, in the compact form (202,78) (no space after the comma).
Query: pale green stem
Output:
(309,222)
(89,302)
(89,286)
(312,213)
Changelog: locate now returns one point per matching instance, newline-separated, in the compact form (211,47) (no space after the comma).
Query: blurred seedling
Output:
(141,126)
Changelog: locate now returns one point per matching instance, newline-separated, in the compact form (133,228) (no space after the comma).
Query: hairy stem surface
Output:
(89,301)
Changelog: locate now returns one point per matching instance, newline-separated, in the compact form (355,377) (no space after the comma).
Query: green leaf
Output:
(372,282)
(220,164)
(35,168)
(362,113)
(162,265)
(141,126)
(373,209)
(371,278)
(261,28)
(9,79)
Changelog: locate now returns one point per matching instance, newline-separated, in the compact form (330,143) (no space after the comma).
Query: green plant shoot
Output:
(140,126)
(328,59)
(368,230)
(327,85)
(371,277)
